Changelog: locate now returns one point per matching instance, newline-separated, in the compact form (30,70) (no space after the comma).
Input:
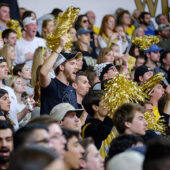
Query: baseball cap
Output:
(163,27)
(102,68)
(82,31)
(64,56)
(29,20)
(140,71)
(59,111)
(153,48)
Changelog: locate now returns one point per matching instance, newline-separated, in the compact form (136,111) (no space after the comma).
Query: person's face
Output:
(12,39)
(12,53)
(84,38)
(147,19)
(163,19)
(110,23)
(148,107)
(70,70)
(164,33)
(91,17)
(82,86)
(119,29)
(6,145)
(74,153)
(80,63)
(139,62)
(116,49)
(4,14)
(102,110)
(157,92)
(94,160)
(57,138)
(166,60)
(155,56)
(73,34)
(126,73)
(147,76)
(31,29)
(3,70)
(71,121)
(40,137)
(111,73)
(50,27)
(26,73)
(19,86)
(138,124)
(5,103)
(126,19)
(140,32)
(109,57)
(136,52)
(84,22)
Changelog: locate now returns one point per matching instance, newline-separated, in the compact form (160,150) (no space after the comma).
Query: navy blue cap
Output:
(82,31)
(153,48)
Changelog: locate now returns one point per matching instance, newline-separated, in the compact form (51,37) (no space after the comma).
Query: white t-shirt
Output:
(23,46)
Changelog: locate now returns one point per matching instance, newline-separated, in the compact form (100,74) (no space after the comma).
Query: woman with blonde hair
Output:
(105,55)
(40,54)
(47,27)
(8,52)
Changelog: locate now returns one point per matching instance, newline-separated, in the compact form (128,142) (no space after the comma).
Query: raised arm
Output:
(49,63)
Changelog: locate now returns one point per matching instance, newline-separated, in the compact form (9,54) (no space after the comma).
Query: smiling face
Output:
(31,29)
(6,145)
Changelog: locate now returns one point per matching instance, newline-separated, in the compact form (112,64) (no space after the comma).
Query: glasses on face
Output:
(84,21)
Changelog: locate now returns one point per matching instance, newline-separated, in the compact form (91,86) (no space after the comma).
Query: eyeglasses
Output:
(85,21)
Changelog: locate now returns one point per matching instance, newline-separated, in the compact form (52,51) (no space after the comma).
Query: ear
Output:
(95,107)
(164,60)
(61,123)
(105,76)
(140,78)
(82,164)
(127,124)
(19,73)
(61,67)
(147,55)
(5,40)
(74,85)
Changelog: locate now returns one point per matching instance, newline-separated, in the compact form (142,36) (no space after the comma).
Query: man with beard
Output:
(145,20)
(58,90)
(6,143)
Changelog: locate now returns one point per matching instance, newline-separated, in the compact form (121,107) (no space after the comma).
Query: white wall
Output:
(100,7)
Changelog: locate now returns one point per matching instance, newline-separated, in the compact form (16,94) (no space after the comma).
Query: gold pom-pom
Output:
(63,25)
(14,24)
(145,42)
(155,124)
(148,85)
(119,90)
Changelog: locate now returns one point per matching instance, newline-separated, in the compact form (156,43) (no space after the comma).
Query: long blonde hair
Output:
(38,60)
(4,52)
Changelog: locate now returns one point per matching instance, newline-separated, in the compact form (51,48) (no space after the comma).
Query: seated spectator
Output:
(55,132)
(142,74)
(98,125)
(9,36)
(8,52)
(138,32)
(47,27)
(105,55)
(82,22)
(24,72)
(67,116)
(162,19)
(74,150)
(105,71)
(145,21)
(129,119)
(4,15)
(6,143)
(91,158)
(124,19)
